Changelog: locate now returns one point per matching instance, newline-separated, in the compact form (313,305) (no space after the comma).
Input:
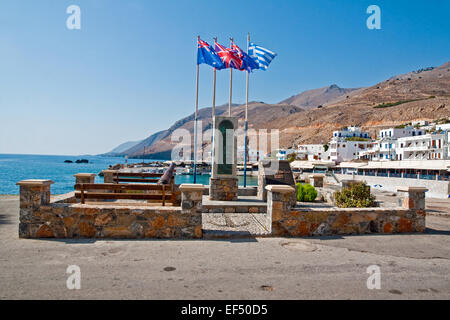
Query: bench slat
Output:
(137,174)
(130,196)
(135,180)
(115,186)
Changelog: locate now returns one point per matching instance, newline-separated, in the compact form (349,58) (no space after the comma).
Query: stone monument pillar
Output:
(223,184)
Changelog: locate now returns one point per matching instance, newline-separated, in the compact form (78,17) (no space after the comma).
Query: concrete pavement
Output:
(415,266)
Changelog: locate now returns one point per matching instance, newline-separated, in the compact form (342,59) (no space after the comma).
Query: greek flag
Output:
(261,55)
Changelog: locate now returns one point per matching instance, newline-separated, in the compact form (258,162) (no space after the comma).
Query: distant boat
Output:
(82,161)
(68,161)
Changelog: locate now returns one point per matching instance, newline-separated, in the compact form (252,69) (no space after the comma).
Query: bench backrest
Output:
(144,177)
(114,191)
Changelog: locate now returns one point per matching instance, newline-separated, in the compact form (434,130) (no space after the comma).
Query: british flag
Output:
(229,57)
(247,63)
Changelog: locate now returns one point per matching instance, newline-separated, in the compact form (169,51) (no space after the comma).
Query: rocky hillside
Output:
(159,145)
(318,97)
(311,116)
(419,95)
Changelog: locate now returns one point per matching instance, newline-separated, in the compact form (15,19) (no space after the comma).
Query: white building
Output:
(313,152)
(282,154)
(350,132)
(346,144)
(432,146)
(384,149)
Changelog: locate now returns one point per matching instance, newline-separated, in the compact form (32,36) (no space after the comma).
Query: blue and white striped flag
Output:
(261,55)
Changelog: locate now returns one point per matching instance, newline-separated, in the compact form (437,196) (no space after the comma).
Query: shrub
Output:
(291,157)
(306,192)
(357,195)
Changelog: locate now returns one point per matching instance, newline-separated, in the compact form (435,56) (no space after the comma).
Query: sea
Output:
(17,167)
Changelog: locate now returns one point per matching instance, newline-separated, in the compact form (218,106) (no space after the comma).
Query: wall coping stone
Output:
(280,188)
(316,175)
(109,171)
(191,187)
(34,183)
(411,189)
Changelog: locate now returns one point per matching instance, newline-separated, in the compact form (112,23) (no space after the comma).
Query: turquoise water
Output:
(14,168)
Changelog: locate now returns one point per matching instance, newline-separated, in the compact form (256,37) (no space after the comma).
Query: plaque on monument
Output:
(225,166)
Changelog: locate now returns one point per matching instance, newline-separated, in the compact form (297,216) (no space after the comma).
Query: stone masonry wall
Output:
(224,189)
(40,218)
(293,222)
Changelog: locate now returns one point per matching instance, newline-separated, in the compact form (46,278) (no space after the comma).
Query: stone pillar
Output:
(191,204)
(279,203)
(412,197)
(191,197)
(108,176)
(316,180)
(34,193)
(84,178)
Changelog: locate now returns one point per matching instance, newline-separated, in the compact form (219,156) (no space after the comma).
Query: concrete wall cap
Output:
(191,187)
(85,175)
(280,188)
(110,171)
(34,182)
(316,175)
(411,189)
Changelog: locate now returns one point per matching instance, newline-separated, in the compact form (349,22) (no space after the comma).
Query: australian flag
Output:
(248,63)
(206,54)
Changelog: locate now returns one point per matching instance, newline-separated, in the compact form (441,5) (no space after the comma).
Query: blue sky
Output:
(130,70)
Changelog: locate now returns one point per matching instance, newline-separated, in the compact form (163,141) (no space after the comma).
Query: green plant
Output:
(357,195)
(306,192)
(291,157)
(325,147)
(356,139)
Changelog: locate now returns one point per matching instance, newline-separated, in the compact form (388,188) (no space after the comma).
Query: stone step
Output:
(234,209)
(232,225)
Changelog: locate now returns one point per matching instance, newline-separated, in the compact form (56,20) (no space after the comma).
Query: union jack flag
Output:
(229,57)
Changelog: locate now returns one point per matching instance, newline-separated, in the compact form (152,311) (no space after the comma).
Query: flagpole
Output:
(195,124)
(231,85)
(246,122)
(213,113)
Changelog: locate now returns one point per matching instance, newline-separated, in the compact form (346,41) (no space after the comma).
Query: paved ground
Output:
(412,266)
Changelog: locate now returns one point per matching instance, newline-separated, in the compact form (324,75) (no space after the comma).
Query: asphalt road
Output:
(413,266)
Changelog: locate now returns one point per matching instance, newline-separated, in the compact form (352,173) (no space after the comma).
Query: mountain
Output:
(159,145)
(318,97)
(122,147)
(311,116)
(423,94)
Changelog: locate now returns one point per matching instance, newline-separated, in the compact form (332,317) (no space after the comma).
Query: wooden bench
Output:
(140,177)
(96,191)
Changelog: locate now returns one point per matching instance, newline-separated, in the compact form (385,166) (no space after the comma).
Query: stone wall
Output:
(436,189)
(42,218)
(223,189)
(292,222)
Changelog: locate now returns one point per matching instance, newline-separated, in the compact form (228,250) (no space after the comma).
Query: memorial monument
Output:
(223,184)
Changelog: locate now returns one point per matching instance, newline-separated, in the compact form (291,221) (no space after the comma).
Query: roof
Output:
(404,164)
(299,164)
